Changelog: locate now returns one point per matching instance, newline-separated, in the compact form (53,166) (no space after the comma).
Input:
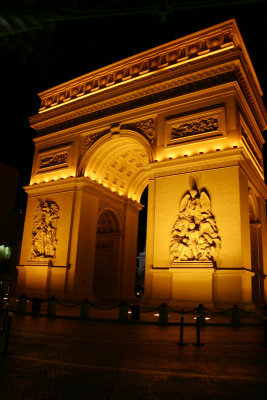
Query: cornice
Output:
(139,98)
(83,184)
(198,44)
(180,64)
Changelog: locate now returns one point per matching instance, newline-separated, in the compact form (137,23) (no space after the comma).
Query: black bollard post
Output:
(51,307)
(21,306)
(135,312)
(123,311)
(36,305)
(265,325)
(9,322)
(235,318)
(198,330)
(6,316)
(202,315)
(163,314)
(85,310)
(181,343)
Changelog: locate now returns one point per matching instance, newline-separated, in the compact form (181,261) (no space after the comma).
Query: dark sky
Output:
(44,43)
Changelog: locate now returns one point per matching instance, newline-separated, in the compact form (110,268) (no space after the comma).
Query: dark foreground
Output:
(72,359)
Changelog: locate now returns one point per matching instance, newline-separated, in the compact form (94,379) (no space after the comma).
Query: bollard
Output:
(123,311)
(21,306)
(135,312)
(235,318)
(51,307)
(85,310)
(181,343)
(265,325)
(6,316)
(36,305)
(198,343)
(9,322)
(202,315)
(163,314)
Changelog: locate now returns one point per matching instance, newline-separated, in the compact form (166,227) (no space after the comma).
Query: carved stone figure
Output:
(44,231)
(195,235)
(194,128)
(145,127)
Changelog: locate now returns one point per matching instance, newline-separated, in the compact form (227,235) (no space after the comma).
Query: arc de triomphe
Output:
(186,120)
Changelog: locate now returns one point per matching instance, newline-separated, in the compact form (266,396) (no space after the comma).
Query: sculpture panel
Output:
(196,127)
(195,235)
(44,231)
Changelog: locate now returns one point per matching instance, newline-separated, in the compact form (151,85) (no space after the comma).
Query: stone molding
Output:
(138,98)
(205,42)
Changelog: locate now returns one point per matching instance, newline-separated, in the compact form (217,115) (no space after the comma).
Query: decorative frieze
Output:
(140,65)
(139,98)
(194,126)
(55,158)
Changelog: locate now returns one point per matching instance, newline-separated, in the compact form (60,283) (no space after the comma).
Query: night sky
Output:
(45,43)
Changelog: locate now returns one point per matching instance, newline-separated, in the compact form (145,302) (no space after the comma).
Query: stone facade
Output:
(184,119)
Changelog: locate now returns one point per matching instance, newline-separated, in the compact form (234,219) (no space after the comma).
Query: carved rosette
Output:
(44,241)
(195,235)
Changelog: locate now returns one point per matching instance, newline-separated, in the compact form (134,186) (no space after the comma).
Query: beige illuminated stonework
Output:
(186,120)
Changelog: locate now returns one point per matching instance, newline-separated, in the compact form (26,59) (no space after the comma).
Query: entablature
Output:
(198,60)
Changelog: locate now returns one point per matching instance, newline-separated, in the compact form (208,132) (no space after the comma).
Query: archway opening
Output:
(106,255)
(141,246)
(119,163)
(256,251)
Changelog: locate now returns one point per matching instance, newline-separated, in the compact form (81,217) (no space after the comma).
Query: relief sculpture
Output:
(194,128)
(44,231)
(195,235)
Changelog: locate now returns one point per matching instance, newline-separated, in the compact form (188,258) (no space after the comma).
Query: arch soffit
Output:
(253,207)
(117,160)
(124,133)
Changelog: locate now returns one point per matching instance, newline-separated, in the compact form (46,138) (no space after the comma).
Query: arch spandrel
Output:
(117,161)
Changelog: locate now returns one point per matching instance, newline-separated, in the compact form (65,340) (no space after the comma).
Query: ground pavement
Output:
(72,359)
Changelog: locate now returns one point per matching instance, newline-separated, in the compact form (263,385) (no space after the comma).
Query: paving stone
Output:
(70,359)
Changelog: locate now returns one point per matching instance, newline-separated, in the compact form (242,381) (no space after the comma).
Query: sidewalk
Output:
(71,359)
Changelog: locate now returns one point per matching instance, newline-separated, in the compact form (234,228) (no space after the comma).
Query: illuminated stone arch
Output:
(118,162)
(97,147)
